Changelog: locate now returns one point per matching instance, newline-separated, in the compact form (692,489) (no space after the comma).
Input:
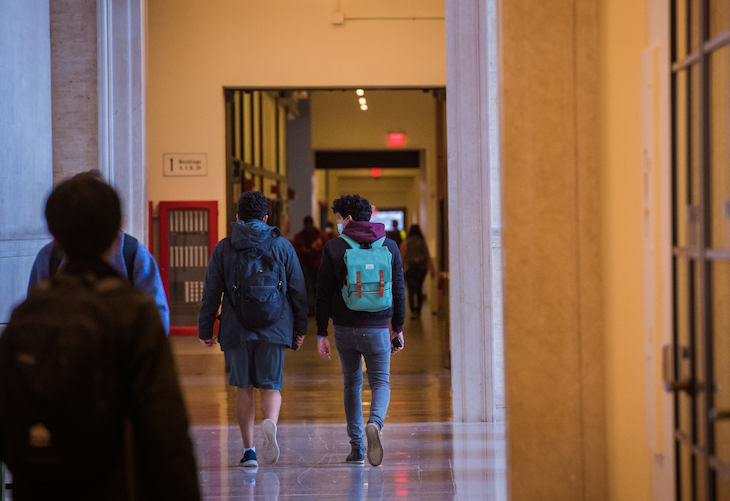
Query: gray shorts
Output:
(257,363)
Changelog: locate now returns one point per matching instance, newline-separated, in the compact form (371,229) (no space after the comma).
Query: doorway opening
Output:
(303,148)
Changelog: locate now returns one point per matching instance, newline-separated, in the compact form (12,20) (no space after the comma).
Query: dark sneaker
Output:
(375,445)
(271,446)
(356,457)
(249,459)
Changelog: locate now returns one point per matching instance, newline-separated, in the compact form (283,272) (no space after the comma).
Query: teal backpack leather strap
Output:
(378,243)
(350,241)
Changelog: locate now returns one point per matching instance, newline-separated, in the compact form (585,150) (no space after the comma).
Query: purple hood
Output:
(364,231)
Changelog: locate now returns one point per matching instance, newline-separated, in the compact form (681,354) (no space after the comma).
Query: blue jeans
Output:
(374,344)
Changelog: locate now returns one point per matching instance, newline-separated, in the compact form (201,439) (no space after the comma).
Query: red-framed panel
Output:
(185,224)
(151,243)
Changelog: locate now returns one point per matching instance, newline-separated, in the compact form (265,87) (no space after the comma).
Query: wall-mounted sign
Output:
(185,164)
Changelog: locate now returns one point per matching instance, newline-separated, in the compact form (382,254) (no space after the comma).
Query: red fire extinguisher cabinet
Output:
(188,233)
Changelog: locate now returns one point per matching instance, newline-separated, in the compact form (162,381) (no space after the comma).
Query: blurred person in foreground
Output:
(90,405)
(129,258)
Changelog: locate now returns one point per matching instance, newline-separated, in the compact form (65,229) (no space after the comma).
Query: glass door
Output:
(700,360)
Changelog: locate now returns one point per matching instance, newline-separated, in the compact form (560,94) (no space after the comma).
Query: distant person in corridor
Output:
(395,234)
(416,263)
(309,244)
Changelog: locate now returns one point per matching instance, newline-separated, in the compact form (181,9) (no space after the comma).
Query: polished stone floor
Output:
(426,455)
(424,461)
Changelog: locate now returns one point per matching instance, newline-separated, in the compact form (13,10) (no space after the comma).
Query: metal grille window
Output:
(701,247)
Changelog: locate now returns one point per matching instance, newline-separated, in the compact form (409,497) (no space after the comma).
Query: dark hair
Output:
(415,231)
(84,216)
(252,205)
(353,205)
(308,220)
(93,174)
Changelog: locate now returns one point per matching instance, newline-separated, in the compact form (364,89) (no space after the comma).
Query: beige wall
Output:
(623,26)
(196,48)
(339,124)
(554,335)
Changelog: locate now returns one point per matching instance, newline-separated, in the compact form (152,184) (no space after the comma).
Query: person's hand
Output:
(399,335)
(209,343)
(323,347)
(298,341)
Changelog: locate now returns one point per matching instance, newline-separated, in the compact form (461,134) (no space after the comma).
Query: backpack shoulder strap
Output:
(350,241)
(55,261)
(129,250)
(378,243)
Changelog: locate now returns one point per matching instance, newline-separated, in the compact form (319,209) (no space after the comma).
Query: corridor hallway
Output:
(426,456)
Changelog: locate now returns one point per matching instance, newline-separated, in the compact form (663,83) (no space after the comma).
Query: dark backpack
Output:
(60,404)
(259,288)
(416,253)
(129,251)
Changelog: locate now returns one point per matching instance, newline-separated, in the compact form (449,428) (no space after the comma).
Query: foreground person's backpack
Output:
(259,288)
(369,281)
(61,409)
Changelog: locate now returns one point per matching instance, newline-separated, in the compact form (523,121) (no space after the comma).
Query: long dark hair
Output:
(415,231)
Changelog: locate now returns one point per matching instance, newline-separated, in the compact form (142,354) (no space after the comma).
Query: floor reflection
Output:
(429,461)
(426,456)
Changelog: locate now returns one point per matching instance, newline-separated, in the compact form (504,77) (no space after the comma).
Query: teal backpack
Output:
(369,281)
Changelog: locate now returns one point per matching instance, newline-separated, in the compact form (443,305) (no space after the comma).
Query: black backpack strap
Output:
(129,251)
(55,261)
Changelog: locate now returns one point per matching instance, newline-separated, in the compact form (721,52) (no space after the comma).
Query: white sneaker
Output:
(271,446)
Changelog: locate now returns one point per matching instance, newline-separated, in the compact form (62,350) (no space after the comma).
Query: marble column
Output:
(474,210)
(99,106)
(26,172)
(122,53)
(75,96)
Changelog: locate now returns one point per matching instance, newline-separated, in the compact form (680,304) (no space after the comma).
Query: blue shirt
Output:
(146,274)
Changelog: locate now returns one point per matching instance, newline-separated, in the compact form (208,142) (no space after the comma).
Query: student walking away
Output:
(129,258)
(308,245)
(263,312)
(394,234)
(361,288)
(416,263)
(90,406)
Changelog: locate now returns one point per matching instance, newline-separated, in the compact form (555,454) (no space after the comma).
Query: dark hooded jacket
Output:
(219,280)
(332,272)
(149,393)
